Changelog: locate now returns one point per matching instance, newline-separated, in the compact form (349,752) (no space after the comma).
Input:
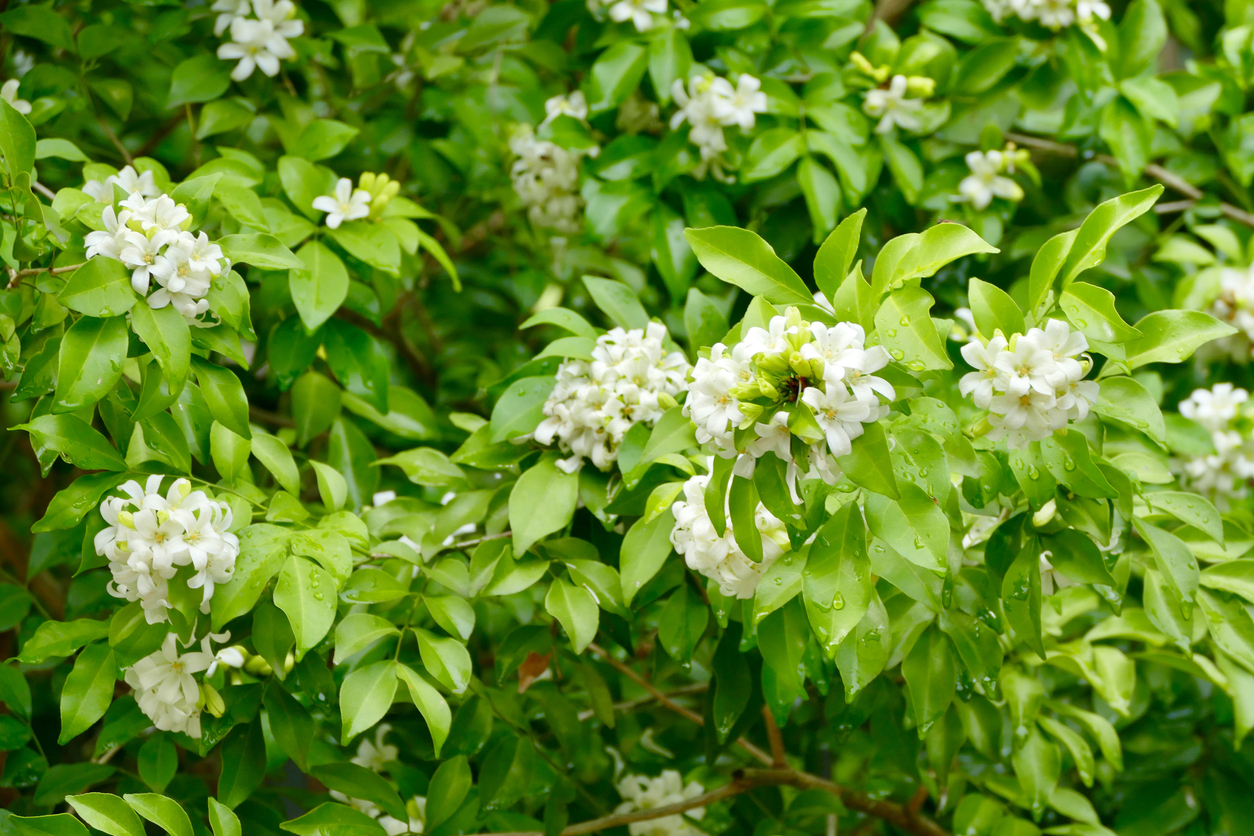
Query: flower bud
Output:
(211,700)
(799,364)
(184,488)
(667,401)
(1043,516)
(258,666)
(366,182)
(752,412)
(127,519)
(921,86)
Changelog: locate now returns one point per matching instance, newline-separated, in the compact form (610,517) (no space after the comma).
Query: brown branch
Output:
(16,276)
(889,11)
(779,757)
(43,190)
(117,143)
(1152,170)
(263,416)
(898,815)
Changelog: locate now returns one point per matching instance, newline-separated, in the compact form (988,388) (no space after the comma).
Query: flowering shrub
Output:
(719,416)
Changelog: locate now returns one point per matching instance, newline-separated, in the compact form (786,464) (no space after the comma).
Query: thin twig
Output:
(117,143)
(464,543)
(43,190)
(630,705)
(56,271)
(1152,170)
(779,757)
(671,704)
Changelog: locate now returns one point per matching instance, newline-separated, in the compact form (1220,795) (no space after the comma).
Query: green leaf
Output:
(277,458)
(75,440)
(223,821)
(869,465)
(822,195)
(616,72)
(315,405)
(1038,765)
(1231,626)
(304,182)
(644,550)
(618,301)
(88,691)
(541,502)
(433,707)
(1235,576)
(101,287)
(202,78)
(61,638)
(164,812)
(168,337)
(1174,559)
(993,309)
(836,581)
(224,395)
(521,408)
(260,250)
(290,723)
(366,696)
(1067,456)
(334,820)
(1142,34)
(445,659)
(107,813)
(447,789)
(90,361)
(740,257)
(836,256)
(331,486)
(1088,248)
(772,151)
(1191,509)
(62,824)
(670,57)
(919,256)
(1021,597)
(318,287)
(1127,400)
(323,138)
(904,323)
(1173,336)
(930,672)
(229,452)
(307,594)
(861,656)
(576,610)
(359,782)
(670,252)
(913,525)
(1092,310)
(1046,265)
(17,137)
(704,321)
(243,764)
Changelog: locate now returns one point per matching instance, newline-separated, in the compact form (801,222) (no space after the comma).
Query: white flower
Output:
(1214,409)
(376,754)
(257,44)
(1055,14)
(165,688)
(720,558)
(282,15)
(741,106)
(140,253)
(8,92)
(595,403)
(159,213)
(982,383)
(642,793)
(1032,384)
(175,271)
(839,414)
(150,537)
(128,180)
(892,105)
(639,12)
(228,10)
(574,105)
(1086,11)
(773,437)
(985,181)
(710,404)
(109,241)
(346,204)
(546,178)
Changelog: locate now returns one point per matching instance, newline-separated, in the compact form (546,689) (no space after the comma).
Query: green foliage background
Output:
(524,637)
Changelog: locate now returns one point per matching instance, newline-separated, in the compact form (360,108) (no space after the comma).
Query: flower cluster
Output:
(8,92)
(630,379)
(1032,384)
(792,379)
(718,556)
(709,103)
(368,200)
(986,180)
(1052,14)
(1223,411)
(1235,306)
(150,537)
(259,41)
(149,233)
(642,793)
(167,690)
(546,179)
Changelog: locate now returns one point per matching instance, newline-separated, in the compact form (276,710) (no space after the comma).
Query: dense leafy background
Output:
(506,640)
